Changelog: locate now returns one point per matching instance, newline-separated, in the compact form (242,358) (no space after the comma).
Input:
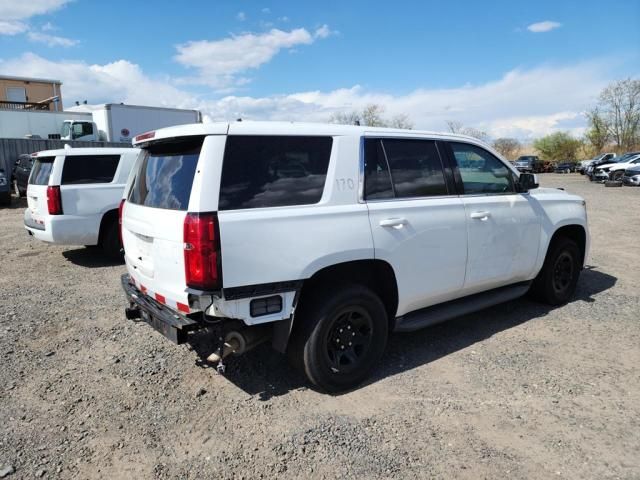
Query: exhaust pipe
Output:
(241,341)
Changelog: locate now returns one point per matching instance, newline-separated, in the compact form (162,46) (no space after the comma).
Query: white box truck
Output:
(37,123)
(117,122)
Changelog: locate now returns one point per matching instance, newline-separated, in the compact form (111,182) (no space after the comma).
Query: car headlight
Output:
(3,179)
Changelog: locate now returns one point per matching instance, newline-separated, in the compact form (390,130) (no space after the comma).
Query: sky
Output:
(517,69)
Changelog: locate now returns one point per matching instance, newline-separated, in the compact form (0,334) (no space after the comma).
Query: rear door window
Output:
(81,169)
(273,171)
(41,171)
(165,174)
(403,168)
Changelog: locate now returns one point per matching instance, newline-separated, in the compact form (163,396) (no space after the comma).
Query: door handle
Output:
(393,222)
(480,215)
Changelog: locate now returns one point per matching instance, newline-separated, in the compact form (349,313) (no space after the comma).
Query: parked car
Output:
(74,193)
(631,176)
(21,171)
(326,238)
(615,171)
(584,164)
(565,167)
(603,160)
(5,188)
(529,164)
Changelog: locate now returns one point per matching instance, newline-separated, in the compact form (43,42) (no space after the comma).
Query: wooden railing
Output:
(6,105)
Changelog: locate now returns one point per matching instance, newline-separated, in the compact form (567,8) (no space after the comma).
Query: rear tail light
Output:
(120,210)
(202,251)
(54,200)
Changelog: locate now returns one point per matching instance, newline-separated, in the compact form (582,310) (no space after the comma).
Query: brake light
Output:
(202,251)
(54,200)
(145,136)
(120,210)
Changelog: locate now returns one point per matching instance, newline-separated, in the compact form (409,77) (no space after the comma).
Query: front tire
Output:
(339,337)
(556,283)
(617,175)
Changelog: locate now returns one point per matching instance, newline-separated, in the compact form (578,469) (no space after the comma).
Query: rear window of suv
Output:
(81,169)
(41,171)
(273,171)
(165,174)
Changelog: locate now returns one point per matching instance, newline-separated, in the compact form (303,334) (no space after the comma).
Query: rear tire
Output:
(339,336)
(110,241)
(5,199)
(556,283)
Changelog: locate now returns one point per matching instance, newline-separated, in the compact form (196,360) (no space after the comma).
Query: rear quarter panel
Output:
(265,245)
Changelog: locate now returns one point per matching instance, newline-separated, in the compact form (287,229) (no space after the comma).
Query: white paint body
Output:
(83,205)
(442,249)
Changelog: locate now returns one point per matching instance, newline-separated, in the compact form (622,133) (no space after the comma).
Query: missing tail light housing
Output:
(54,200)
(120,210)
(202,258)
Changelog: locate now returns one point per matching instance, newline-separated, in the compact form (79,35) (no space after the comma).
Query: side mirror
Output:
(526,182)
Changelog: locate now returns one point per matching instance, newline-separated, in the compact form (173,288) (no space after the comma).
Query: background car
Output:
(21,171)
(529,164)
(5,188)
(565,167)
(615,171)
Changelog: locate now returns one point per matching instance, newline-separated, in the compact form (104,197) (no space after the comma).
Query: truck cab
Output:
(79,130)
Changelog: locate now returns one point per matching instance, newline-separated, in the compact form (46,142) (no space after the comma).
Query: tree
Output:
(401,121)
(620,107)
(597,135)
(457,127)
(558,146)
(345,118)
(372,116)
(507,146)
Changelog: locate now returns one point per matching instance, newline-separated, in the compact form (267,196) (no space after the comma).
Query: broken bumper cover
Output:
(168,322)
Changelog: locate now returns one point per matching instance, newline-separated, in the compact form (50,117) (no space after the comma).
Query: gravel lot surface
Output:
(515,391)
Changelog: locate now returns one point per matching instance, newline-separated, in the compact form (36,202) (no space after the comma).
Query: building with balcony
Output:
(22,93)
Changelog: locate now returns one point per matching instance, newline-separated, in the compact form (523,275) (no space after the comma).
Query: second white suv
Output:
(326,238)
(74,193)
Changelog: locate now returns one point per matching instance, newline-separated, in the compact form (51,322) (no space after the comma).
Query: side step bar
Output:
(456,308)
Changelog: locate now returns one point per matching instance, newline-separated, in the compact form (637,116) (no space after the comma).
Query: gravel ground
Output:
(515,391)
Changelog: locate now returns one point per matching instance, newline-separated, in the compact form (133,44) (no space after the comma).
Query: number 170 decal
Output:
(345,183)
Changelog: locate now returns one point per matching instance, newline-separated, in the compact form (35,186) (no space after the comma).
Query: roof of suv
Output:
(286,128)
(82,151)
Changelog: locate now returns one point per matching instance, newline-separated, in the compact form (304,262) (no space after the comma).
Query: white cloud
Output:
(241,16)
(218,62)
(266,10)
(545,26)
(14,13)
(521,103)
(12,27)
(323,32)
(16,10)
(119,81)
(51,40)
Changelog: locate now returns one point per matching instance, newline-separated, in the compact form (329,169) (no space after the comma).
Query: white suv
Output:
(74,193)
(325,238)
